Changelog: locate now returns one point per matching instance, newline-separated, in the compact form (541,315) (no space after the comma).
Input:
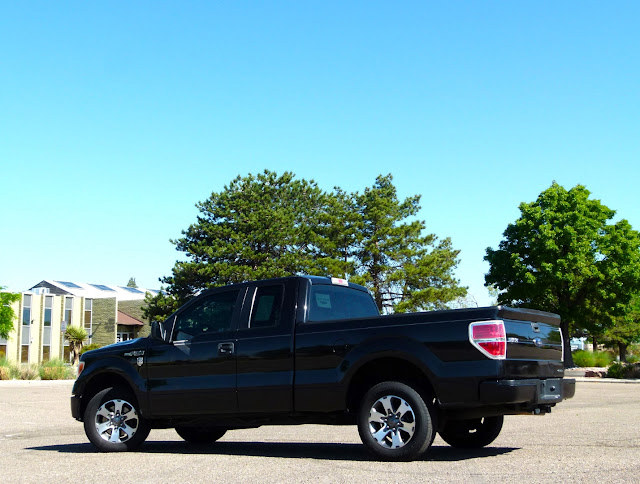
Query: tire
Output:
(196,435)
(395,423)
(473,433)
(112,421)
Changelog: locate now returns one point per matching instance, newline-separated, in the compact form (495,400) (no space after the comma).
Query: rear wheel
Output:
(112,421)
(197,435)
(395,422)
(473,433)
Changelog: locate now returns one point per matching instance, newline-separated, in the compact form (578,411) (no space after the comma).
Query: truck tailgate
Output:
(534,343)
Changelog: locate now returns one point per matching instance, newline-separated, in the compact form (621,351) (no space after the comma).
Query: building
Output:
(108,314)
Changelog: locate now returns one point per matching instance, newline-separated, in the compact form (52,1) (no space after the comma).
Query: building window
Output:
(68,310)
(124,336)
(3,348)
(46,328)
(26,310)
(25,340)
(68,315)
(24,354)
(88,309)
(48,310)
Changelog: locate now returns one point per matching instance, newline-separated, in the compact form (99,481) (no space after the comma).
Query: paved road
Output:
(594,437)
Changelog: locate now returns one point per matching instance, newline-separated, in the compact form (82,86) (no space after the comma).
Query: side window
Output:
(210,315)
(267,307)
(328,303)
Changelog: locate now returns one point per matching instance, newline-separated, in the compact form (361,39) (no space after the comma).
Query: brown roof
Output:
(127,320)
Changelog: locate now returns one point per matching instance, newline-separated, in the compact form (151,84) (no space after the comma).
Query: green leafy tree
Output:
(338,232)
(132,282)
(626,328)
(273,225)
(563,255)
(258,227)
(405,269)
(7,315)
(76,337)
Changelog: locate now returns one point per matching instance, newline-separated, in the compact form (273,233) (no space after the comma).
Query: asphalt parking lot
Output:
(594,437)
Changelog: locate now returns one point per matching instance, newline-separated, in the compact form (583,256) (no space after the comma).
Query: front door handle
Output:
(226,348)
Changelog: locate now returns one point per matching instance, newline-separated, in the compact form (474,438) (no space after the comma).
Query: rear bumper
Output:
(530,391)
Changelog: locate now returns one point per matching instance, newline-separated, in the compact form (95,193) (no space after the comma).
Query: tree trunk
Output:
(568,357)
(622,349)
(595,343)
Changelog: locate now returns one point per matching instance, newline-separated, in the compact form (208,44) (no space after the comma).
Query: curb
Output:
(593,379)
(26,383)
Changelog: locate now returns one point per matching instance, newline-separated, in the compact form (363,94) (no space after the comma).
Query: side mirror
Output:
(158,331)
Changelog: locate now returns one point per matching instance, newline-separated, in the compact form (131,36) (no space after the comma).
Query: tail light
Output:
(490,338)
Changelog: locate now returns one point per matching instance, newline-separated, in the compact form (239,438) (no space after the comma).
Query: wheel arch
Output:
(103,380)
(388,367)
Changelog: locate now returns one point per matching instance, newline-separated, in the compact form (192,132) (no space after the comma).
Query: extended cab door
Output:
(265,348)
(195,373)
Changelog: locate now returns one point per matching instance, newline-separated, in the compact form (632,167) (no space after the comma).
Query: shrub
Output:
(28,372)
(7,370)
(633,359)
(603,358)
(622,370)
(55,370)
(583,358)
(589,358)
(633,371)
(616,371)
(92,346)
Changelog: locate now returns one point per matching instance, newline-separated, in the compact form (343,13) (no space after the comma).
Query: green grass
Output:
(49,370)
(589,358)
(56,370)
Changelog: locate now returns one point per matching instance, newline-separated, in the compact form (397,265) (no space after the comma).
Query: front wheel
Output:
(196,435)
(112,421)
(473,433)
(395,422)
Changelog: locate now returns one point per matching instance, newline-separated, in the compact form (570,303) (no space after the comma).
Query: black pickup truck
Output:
(315,350)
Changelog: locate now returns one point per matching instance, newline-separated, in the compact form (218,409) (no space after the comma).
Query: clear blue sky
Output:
(117,117)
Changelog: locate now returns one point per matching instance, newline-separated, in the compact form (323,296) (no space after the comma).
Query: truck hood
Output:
(117,348)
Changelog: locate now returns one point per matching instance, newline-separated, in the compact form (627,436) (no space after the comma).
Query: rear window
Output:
(328,303)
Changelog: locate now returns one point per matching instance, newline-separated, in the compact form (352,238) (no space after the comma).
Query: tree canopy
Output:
(405,269)
(269,225)
(6,312)
(565,256)
(626,328)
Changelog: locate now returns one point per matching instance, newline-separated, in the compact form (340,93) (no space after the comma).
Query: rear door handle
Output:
(226,348)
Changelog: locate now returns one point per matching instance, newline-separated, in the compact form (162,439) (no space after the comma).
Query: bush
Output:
(622,370)
(603,358)
(633,359)
(92,346)
(589,358)
(7,370)
(55,370)
(28,372)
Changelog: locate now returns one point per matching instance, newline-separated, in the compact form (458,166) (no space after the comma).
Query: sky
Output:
(116,118)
